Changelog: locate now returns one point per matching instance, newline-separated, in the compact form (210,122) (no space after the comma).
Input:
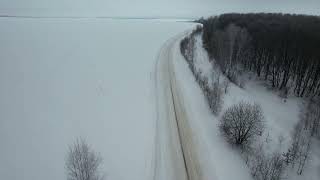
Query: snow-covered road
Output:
(169,158)
(176,158)
(188,145)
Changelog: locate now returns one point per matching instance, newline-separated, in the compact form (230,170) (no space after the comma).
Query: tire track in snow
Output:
(175,157)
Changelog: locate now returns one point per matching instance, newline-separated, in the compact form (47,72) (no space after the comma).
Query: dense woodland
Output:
(281,48)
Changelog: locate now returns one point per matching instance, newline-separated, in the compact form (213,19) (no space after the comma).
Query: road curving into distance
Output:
(175,154)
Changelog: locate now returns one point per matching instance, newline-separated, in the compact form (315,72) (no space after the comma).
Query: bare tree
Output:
(214,95)
(299,151)
(241,123)
(263,165)
(215,98)
(232,31)
(312,116)
(252,41)
(270,168)
(226,85)
(82,163)
(304,152)
(301,145)
(187,48)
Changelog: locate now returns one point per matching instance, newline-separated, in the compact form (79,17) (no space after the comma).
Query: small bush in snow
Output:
(82,163)
(264,167)
(241,123)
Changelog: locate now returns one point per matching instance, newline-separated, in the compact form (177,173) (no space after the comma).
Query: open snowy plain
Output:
(123,86)
(67,78)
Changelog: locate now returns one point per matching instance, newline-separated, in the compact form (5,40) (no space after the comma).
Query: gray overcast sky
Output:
(181,8)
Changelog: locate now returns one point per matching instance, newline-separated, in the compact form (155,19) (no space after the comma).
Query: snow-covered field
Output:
(65,78)
(123,86)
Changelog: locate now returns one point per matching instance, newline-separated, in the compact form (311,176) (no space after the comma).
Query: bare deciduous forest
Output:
(279,49)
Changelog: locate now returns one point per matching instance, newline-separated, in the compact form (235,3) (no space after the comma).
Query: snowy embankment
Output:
(280,115)
(65,78)
(207,155)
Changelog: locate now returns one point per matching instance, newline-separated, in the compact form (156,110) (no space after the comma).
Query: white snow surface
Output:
(95,78)
(216,159)
(280,116)
(67,78)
